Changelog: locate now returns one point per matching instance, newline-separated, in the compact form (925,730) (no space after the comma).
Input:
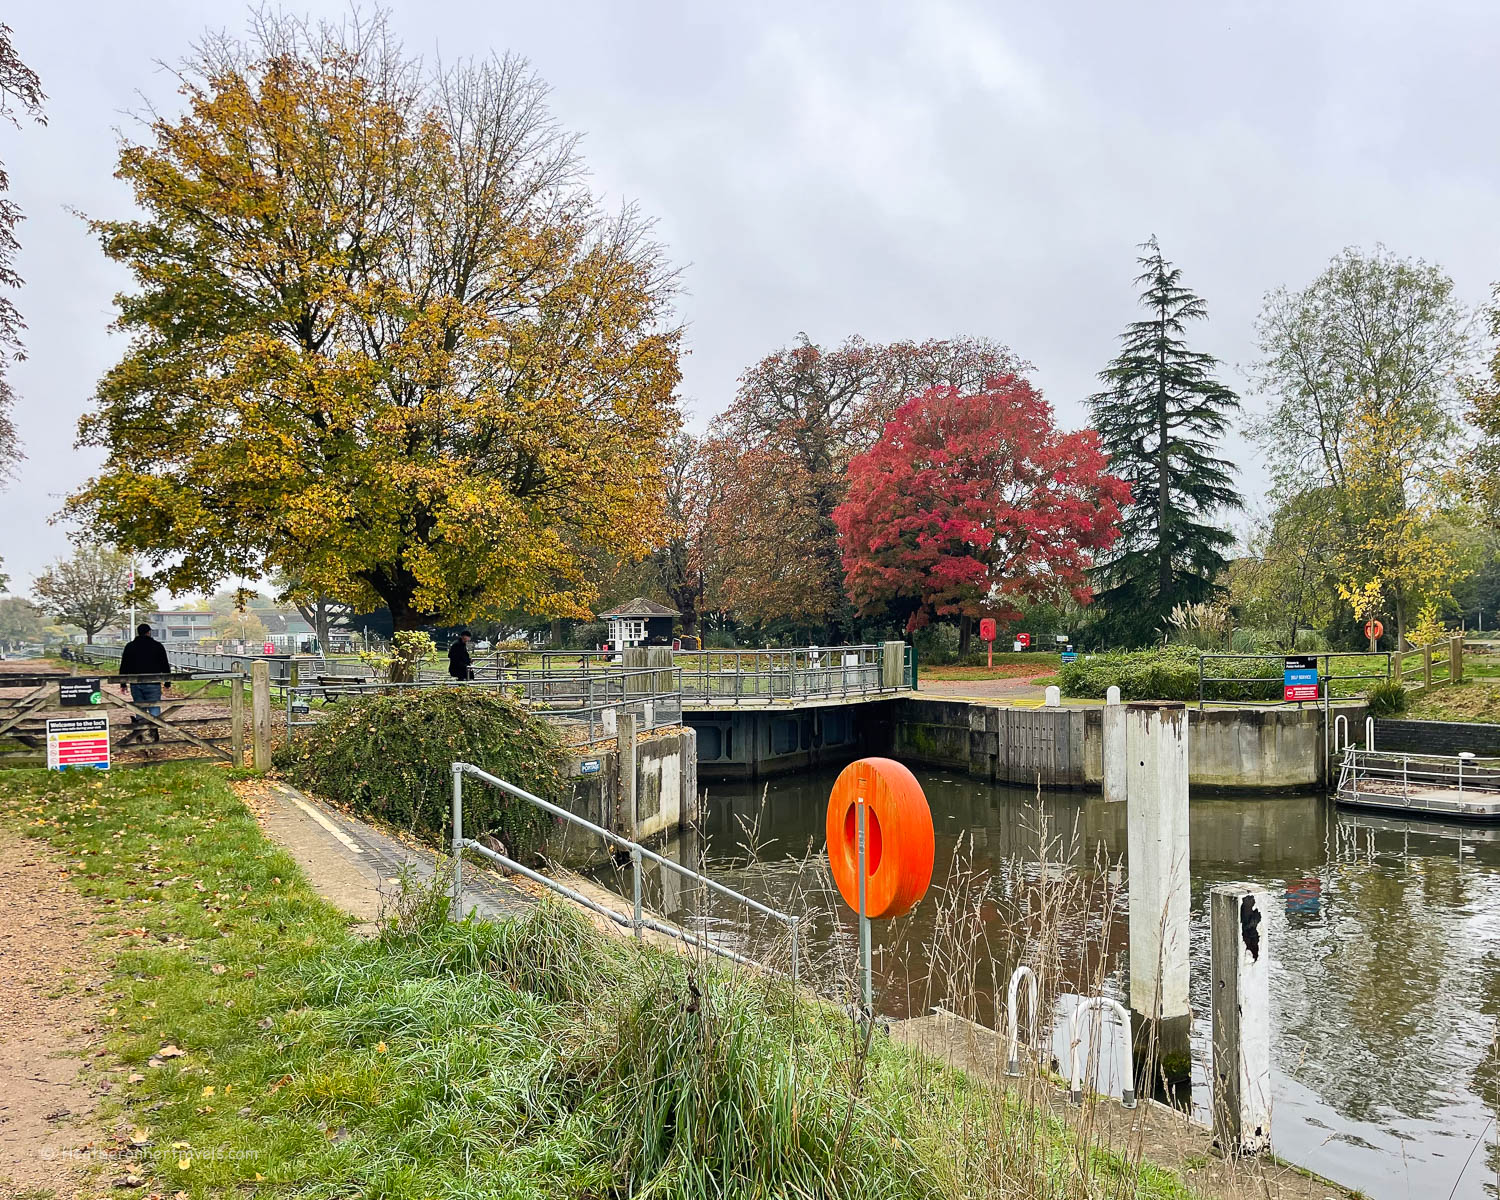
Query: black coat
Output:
(144,656)
(460,665)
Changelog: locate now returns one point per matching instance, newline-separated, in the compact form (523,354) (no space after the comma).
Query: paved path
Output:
(358,867)
(1016,688)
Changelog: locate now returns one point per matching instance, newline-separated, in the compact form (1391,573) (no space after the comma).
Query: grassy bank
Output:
(1467,701)
(269,1051)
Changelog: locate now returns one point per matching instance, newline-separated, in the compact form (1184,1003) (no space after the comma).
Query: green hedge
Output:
(1170,673)
(389,755)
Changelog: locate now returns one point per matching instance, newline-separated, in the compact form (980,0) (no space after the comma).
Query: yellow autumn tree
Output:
(1403,546)
(382,339)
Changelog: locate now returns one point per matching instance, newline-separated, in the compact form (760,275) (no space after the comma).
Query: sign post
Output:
(78,742)
(987,635)
(1299,680)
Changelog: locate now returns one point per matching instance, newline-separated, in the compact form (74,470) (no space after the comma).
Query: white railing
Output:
(1417,780)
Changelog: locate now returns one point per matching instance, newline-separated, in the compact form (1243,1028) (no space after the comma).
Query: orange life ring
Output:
(900,836)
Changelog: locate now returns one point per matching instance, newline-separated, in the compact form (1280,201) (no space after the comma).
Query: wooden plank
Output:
(1241,959)
(159,723)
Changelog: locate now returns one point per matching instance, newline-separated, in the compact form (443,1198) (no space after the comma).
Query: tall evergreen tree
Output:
(1159,419)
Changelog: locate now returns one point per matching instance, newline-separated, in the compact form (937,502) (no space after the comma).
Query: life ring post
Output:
(880,849)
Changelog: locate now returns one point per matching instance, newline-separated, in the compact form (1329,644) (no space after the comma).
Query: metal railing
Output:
(638,922)
(1394,778)
(1266,687)
(586,708)
(284,667)
(764,676)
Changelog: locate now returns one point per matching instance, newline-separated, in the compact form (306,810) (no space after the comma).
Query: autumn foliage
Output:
(971,503)
(381,338)
(775,461)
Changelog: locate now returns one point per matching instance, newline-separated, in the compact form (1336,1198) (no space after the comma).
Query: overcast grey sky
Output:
(893,170)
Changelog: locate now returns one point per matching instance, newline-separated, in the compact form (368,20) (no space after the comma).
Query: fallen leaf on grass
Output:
(170,1051)
(218,968)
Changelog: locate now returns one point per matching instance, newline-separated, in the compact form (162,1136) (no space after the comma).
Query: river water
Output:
(1385,943)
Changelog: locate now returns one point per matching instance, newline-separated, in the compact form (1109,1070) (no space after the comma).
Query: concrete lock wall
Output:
(644,793)
(1231,749)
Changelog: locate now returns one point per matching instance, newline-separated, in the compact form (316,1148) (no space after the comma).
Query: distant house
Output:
(640,622)
(181,625)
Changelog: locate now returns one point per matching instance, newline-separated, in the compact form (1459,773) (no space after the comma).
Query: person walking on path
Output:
(144,655)
(460,665)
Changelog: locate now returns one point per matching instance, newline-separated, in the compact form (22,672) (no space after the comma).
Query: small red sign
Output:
(1373,629)
(268,648)
(1024,638)
(1301,691)
(987,629)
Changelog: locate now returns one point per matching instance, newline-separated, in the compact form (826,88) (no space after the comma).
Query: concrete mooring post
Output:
(260,714)
(1115,755)
(1156,787)
(1242,1018)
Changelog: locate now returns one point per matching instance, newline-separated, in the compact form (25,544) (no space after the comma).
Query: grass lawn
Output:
(272,1052)
(1008,665)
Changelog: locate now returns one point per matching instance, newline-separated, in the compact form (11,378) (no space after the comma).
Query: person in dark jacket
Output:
(144,655)
(460,665)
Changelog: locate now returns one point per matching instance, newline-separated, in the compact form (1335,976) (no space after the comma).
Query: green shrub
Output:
(389,755)
(1387,699)
(1170,673)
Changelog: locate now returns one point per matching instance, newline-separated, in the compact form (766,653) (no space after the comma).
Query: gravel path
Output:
(48,996)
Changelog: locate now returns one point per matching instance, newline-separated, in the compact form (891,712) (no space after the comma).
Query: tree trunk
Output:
(965,629)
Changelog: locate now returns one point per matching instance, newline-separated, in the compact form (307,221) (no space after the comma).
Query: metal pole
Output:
(458,840)
(794,953)
(864,919)
(635,871)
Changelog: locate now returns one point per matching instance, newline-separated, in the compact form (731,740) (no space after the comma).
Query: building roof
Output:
(640,607)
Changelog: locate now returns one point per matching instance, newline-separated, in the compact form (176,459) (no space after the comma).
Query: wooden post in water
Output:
(260,713)
(237,720)
(1241,1018)
(626,821)
(1156,815)
(1115,754)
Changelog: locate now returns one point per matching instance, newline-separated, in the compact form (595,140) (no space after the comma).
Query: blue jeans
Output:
(147,696)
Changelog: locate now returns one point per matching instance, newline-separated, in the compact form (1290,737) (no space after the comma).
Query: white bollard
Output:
(1160,884)
(611,722)
(1115,754)
(1241,1018)
(1054,696)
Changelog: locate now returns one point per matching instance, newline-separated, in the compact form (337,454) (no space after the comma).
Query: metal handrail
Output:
(638,921)
(1400,772)
(1013,1060)
(1075,1074)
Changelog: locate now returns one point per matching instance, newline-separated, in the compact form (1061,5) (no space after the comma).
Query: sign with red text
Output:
(1299,679)
(78,742)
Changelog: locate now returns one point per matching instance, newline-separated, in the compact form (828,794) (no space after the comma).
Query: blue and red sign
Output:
(1299,678)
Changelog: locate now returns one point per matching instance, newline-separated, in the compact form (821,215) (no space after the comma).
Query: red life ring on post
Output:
(900,835)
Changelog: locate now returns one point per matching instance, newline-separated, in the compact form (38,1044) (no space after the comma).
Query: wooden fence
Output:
(203,716)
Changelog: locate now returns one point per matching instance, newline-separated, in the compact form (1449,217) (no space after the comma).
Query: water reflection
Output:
(1386,942)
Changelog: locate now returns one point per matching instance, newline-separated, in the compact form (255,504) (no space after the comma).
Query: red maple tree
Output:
(970,502)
